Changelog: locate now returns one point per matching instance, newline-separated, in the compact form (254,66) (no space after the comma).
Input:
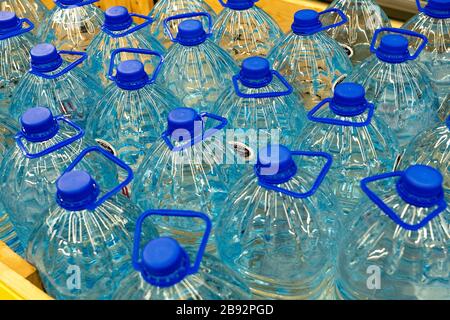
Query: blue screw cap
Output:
(439,9)
(76,190)
(393,48)
(45,57)
(182,118)
(9,22)
(349,99)
(306,22)
(191,33)
(131,75)
(255,72)
(38,124)
(275,164)
(421,186)
(117,18)
(240,4)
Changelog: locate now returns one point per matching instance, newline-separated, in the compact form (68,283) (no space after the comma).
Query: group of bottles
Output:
(114,126)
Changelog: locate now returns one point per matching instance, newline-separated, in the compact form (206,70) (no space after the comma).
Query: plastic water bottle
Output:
(309,58)
(184,167)
(83,247)
(397,84)
(431,147)
(361,144)
(262,106)
(244,30)
(31,9)
(119,31)
(433,21)
(364,17)
(45,146)
(167,8)
(72,24)
(166,270)
(7,233)
(56,83)
(16,41)
(132,114)
(196,70)
(277,226)
(398,245)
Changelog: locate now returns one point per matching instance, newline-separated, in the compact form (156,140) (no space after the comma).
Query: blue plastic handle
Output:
(373,49)
(137,51)
(148,21)
(20,31)
(317,182)
(201,137)
(80,133)
(394,216)
(110,157)
(344,19)
(83,56)
(225,4)
(68,6)
(273,94)
(311,116)
(187,15)
(171,213)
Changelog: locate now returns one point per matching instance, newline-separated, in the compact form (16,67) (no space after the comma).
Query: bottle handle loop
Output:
(80,4)
(341,14)
(18,32)
(288,91)
(148,21)
(83,56)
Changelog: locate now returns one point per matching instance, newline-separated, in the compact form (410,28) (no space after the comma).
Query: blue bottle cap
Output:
(45,58)
(182,118)
(275,164)
(70,2)
(447,121)
(421,186)
(8,22)
(240,4)
(306,22)
(349,99)
(117,18)
(191,33)
(439,9)
(393,48)
(255,72)
(76,190)
(131,75)
(38,124)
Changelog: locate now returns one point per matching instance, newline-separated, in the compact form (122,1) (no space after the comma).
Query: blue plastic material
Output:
(119,19)
(190,32)
(419,185)
(76,190)
(348,101)
(34,10)
(238,4)
(307,22)
(185,120)
(12,26)
(439,9)
(393,48)
(280,157)
(68,4)
(164,262)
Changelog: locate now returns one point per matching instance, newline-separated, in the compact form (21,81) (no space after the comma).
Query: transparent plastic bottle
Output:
(56,83)
(361,144)
(260,105)
(119,31)
(278,225)
(31,9)
(397,247)
(433,21)
(196,70)
(184,168)
(244,30)
(16,41)
(364,17)
(311,61)
(164,271)
(131,115)
(45,146)
(71,24)
(398,85)
(167,8)
(83,247)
